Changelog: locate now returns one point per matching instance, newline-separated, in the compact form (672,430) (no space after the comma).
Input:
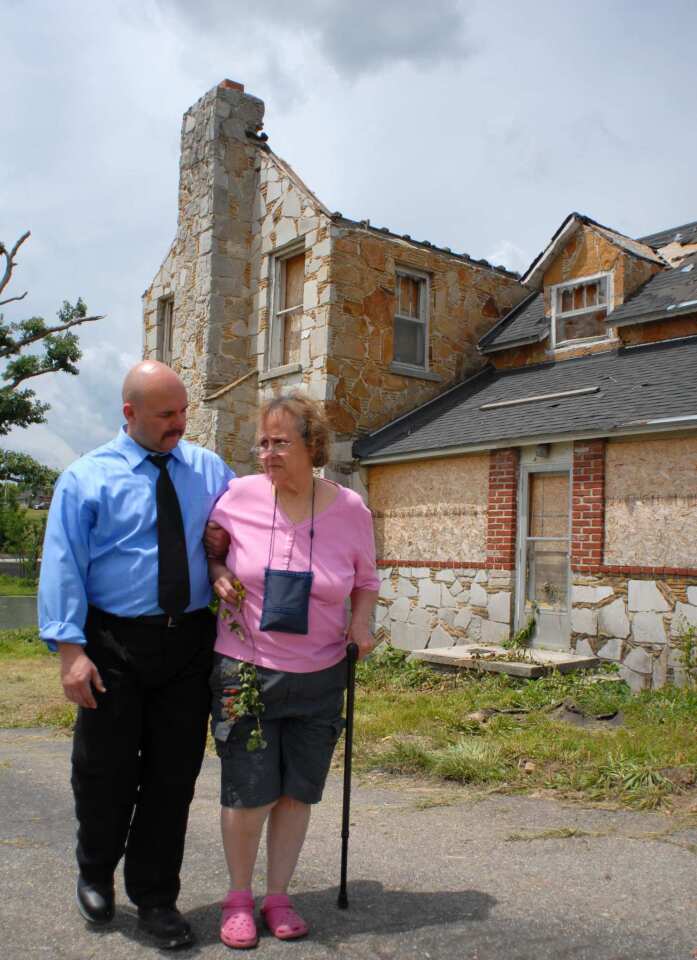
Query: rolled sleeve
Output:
(366,577)
(62,585)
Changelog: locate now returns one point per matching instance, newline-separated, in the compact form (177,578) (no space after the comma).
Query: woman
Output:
(299,548)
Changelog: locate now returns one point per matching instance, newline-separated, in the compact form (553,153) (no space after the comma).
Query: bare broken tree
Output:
(60,350)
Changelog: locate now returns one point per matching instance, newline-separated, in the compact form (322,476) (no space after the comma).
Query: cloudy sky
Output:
(472,124)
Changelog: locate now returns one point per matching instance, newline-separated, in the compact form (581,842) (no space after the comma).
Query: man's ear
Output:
(128,411)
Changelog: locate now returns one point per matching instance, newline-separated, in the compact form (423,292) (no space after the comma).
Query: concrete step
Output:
(497,659)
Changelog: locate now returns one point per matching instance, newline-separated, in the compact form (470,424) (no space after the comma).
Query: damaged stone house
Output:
(528,445)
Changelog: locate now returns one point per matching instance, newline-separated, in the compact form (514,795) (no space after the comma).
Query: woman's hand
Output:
(362,606)
(222,581)
(360,634)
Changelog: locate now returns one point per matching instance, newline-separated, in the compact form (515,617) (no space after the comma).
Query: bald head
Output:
(154,405)
(146,376)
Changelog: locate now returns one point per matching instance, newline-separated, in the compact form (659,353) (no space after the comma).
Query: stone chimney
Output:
(218,183)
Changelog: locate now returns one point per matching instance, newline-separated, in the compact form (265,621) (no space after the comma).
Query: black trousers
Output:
(136,757)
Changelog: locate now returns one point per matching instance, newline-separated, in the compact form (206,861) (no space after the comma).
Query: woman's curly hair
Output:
(310,418)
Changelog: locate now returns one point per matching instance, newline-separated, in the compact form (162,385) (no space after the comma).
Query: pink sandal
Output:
(237,927)
(281,919)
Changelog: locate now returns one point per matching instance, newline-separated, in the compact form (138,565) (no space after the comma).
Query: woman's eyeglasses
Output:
(267,447)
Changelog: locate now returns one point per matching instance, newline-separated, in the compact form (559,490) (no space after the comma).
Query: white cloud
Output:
(510,256)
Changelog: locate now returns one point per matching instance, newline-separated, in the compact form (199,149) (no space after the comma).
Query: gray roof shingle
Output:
(665,294)
(526,323)
(685,234)
(634,384)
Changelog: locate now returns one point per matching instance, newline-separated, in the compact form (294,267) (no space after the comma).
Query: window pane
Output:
(409,290)
(583,327)
(292,325)
(591,294)
(547,574)
(567,301)
(409,342)
(579,300)
(548,511)
(294,269)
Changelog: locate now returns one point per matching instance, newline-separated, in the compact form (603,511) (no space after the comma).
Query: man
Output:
(123,597)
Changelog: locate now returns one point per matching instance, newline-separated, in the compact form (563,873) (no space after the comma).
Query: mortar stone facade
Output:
(242,210)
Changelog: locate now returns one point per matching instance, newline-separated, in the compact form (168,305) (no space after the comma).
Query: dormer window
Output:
(580,309)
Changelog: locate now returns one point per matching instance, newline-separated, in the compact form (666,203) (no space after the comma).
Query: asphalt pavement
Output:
(435,873)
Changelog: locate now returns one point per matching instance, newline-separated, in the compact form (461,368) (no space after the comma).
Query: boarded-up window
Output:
(291,275)
(166,331)
(548,539)
(580,310)
(410,323)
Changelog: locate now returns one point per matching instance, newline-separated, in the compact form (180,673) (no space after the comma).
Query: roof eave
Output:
(630,429)
(664,314)
(514,344)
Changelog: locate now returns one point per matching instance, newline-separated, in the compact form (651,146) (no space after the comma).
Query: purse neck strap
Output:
(273,526)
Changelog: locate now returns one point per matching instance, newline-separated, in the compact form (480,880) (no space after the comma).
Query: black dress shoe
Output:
(95,901)
(166,925)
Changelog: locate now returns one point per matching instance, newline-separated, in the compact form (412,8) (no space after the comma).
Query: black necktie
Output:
(173,589)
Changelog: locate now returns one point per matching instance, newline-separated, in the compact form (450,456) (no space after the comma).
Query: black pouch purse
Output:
(286,601)
(287,592)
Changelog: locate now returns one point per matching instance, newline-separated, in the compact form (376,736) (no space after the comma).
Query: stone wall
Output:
(634,622)
(440,606)
(651,502)
(436,508)
(466,299)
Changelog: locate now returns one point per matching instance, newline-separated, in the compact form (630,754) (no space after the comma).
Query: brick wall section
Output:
(502,509)
(588,506)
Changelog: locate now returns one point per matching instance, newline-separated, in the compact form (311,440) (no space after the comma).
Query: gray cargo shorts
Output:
(301,724)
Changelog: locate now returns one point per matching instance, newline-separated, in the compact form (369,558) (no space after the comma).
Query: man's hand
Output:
(360,634)
(216,541)
(79,675)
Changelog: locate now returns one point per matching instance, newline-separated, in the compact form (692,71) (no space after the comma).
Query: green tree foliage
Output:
(20,534)
(25,471)
(31,348)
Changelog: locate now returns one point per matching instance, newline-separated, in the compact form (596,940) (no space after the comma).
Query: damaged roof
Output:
(606,393)
(685,234)
(638,248)
(341,220)
(666,294)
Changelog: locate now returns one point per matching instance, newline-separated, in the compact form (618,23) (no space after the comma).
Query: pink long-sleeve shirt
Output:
(343,560)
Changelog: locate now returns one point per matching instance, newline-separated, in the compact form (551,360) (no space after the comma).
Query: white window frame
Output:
(424,315)
(555,291)
(165,308)
(274,355)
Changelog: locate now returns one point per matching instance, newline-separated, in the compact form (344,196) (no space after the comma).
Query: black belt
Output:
(156,619)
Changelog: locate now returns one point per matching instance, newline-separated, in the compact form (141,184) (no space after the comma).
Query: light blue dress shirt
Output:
(101,537)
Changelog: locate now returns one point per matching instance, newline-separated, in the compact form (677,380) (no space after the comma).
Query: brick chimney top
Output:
(231,85)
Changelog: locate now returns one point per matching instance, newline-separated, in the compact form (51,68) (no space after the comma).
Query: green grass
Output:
(22,643)
(16,587)
(410,719)
(30,690)
(452,727)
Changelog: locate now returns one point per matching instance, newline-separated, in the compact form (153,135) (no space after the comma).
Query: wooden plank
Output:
(462,657)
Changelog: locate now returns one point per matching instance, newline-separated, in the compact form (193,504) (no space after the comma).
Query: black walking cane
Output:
(351,657)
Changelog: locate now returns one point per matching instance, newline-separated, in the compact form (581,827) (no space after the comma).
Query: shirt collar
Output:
(134,454)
